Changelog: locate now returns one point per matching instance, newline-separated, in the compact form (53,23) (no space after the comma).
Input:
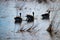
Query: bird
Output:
(39,1)
(18,19)
(45,1)
(30,18)
(46,15)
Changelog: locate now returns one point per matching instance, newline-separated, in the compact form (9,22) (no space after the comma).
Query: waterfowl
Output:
(45,1)
(18,19)
(30,18)
(39,1)
(46,15)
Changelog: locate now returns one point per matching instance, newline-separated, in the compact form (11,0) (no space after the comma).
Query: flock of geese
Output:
(30,18)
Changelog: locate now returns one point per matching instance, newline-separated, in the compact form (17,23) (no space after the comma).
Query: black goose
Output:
(40,1)
(30,18)
(46,16)
(18,19)
(45,1)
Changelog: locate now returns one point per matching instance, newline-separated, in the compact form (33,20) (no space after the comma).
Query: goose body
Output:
(46,15)
(30,18)
(18,19)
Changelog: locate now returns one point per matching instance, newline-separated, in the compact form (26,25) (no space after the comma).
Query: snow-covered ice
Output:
(8,28)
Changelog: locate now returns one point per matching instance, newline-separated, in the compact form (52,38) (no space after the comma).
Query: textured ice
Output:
(8,28)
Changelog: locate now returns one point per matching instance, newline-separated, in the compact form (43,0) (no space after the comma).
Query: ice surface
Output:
(8,28)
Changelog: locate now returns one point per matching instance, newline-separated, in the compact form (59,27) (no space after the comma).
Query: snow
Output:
(8,28)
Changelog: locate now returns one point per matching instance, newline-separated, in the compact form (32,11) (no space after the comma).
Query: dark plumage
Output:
(46,15)
(18,19)
(40,1)
(45,1)
(30,18)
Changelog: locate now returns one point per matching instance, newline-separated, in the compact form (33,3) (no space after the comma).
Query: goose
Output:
(30,18)
(45,1)
(40,1)
(46,15)
(18,19)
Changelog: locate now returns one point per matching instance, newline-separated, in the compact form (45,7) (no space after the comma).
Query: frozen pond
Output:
(8,28)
